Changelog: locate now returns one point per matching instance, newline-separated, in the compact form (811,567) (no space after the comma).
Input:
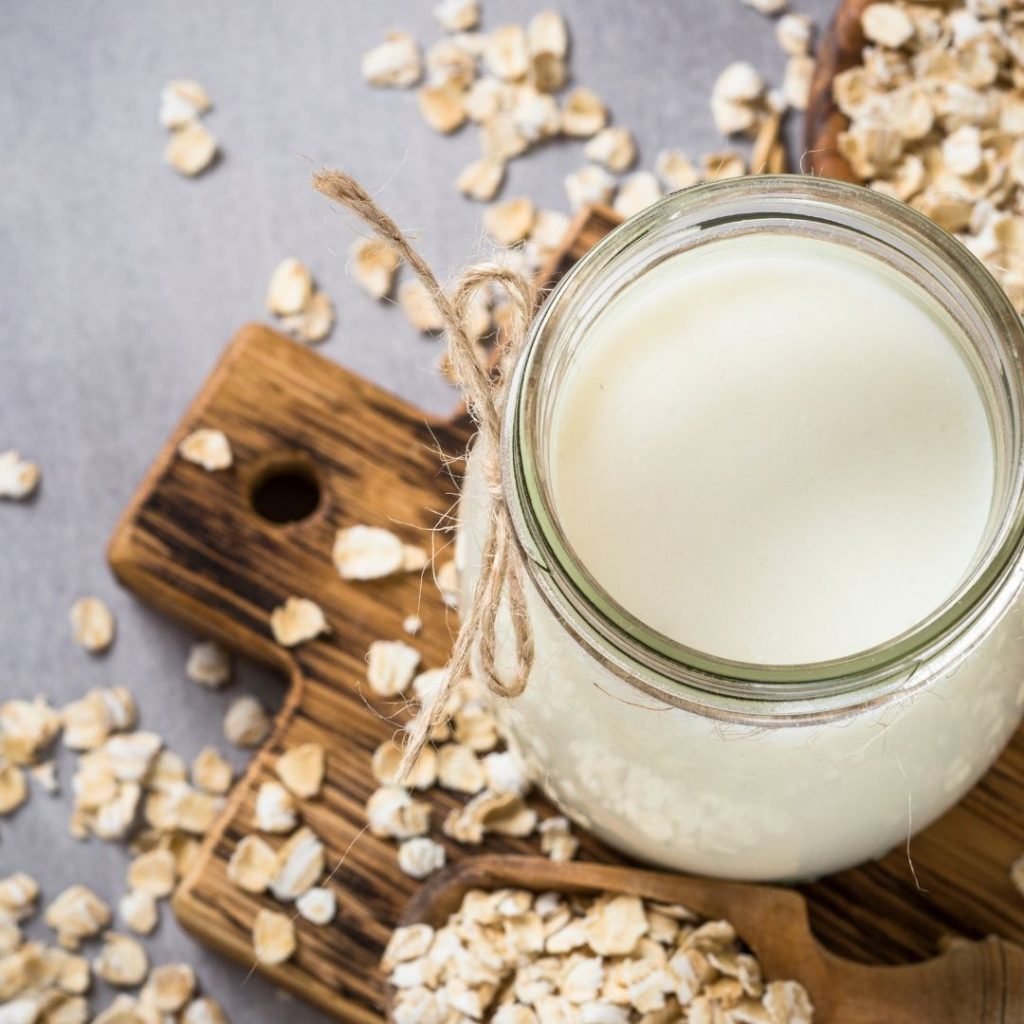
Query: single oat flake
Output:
(77,914)
(138,910)
(420,857)
(511,221)
(122,961)
(183,101)
(19,478)
(374,263)
(275,809)
(317,905)
(169,987)
(92,624)
(153,873)
(252,865)
(367,553)
(395,63)
(191,149)
(211,771)
(207,448)
(390,667)
(583,113)
(297,621)
(481,179)
(300,863)
(290,288)
(273,937)
(419,307)
(246,723)
(457,15)
(204,1010)
(208,664)
(301,769)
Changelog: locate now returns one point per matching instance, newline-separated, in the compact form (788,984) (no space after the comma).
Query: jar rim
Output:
(683,675)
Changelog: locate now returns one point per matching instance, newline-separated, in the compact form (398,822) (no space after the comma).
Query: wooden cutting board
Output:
(193,544)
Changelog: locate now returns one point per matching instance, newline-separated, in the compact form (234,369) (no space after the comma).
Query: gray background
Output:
(121,281)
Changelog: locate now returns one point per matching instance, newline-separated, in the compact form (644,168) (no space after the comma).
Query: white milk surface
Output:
(770,449)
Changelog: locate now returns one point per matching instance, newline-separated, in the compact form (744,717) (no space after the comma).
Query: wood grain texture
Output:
(977,982)
(191,544)
(839,49)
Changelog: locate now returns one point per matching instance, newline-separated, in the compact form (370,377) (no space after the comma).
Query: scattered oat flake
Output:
(191,149)
(794,33)
(636,192)
(122,961)
(395,63)
(181,102)
(13,790)
(414,558)
(138,910)
(300,863)
(252,865)
(767,6)
(77,914)
(481,179)
(367,553)
(315,322)
(391,811)
(459,769)
(290,288)
(557,840)
(212,772)
(169,987)
(301,769)
(796,85)
(273,937)
(506,54)
(887,24)
(204,1010)
(153,872)
(18,477)
(387,759)
(590,184)
(457,15)
(246,723)
(390,667)
(317,905)
(275,809)
(92,624)
(207,448)
(613,147)
(448,583)
(208,664)
(548,33)
(511,221)
(442,106)
(420,857)
(412,624)
(583,113)
(374,263)
(419,307)
(297,621)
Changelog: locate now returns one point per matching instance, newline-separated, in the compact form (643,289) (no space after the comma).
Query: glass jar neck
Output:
(794,205)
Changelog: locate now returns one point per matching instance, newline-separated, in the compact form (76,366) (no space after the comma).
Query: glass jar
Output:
(758,772)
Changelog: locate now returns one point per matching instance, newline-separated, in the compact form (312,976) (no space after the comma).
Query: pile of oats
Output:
(936,114)
(191,148)
(516,957)
(50,983)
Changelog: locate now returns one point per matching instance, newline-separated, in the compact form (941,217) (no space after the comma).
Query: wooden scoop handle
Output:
(972,983)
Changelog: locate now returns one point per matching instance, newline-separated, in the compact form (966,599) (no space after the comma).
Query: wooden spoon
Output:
(972,983)
(840,48)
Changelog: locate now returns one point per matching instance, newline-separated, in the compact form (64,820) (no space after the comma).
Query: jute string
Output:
(485,391)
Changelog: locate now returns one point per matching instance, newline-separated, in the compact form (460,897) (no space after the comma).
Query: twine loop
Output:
(485,392)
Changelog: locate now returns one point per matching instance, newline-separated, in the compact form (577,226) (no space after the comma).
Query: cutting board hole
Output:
(286,490)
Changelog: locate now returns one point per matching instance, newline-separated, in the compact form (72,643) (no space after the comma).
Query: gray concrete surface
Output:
(120,282)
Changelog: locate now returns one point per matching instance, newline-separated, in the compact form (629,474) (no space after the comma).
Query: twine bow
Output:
(485,392)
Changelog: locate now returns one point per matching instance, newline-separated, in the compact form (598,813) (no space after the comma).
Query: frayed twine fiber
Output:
(485,391)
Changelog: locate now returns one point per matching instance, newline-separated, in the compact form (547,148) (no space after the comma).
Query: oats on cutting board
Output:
(207,448)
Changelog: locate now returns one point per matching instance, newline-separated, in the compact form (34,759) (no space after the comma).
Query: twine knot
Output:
(485,392)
